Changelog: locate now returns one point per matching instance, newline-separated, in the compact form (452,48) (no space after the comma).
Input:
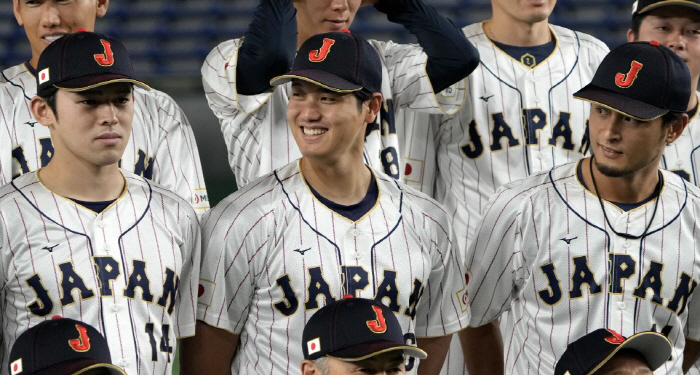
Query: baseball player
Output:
(62,346)
(252,113)
(354,335)
(85,239)
(675,24)
(162,147)
(519,118)
(607,242)
(606,352)
(323,227)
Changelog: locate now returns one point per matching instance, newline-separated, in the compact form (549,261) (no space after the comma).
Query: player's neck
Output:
(633,188)
(693,95)
(34,61)
(518,34)
(342,182)
(83,182)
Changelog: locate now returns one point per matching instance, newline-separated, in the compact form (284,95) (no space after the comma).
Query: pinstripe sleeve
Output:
(178,167)
(441,311)
(189,277)
(495,257)
(692,326)
(410,85)
(241,117)
(233,241)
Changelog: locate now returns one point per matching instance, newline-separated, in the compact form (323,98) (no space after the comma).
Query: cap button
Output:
(81,30)
(348,296)
(654,43)
(345,31)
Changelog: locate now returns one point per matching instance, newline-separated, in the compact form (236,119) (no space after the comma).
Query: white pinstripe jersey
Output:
(255,127)
(273,255)
(683,155)
(516,121)
(545,251)
(162,147)
(131,271)
(519,121)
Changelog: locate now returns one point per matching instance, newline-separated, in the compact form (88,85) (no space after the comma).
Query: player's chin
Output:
(107,157)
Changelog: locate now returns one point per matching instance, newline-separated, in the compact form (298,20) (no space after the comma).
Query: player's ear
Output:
(15,10)
(374,104)
(102,7)
(309,368)
(676,129)
(631,36)
(42,111)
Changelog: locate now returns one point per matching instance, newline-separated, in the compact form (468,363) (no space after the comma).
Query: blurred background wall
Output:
(169,39)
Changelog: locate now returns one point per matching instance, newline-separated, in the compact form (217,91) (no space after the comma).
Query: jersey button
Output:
(626,244)
(355,232)
(358,256)
(115,308)
(622,305)
(106,248)
(124,362)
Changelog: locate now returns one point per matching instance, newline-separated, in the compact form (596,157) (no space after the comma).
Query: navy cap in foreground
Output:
(60,347)
(83,60)
(644,6)
(354,329)
(642,80)
(338,61)
(589,353)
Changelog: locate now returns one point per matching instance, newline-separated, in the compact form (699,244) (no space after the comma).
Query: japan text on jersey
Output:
(568,273)
(127,271)
(273,255)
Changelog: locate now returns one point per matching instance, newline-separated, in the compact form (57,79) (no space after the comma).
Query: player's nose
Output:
(676,40)
(50,15)
(339,5)
(108,114)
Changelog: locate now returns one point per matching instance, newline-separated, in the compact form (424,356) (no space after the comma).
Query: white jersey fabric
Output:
(131,271)
(255,127)
(161,148)
(516,121)
(683,155)
(545,252)
(683,158)
(273,255)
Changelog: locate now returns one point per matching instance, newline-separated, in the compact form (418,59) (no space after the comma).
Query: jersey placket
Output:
(623,261)
(114,307)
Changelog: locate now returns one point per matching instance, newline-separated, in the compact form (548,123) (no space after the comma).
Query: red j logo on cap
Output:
(626,80)
(107,57)
(320,54)
(377,325)
(82,343)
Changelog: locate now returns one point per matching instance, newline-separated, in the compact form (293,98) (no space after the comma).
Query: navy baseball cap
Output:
(353,329)
(60,346)
(642,80)
(338,61)
(83,60)
(644,6)
(589,353)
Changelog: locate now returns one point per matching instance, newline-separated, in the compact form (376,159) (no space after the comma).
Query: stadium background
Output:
(169,39)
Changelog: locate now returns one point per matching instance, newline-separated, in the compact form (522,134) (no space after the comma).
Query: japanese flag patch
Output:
(16,367)
(44,75)
(314,346)
(205,294)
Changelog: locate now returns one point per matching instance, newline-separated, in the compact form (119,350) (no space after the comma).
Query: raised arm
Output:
(268,47)
(451,57)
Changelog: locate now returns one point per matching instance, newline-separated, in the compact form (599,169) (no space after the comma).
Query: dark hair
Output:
(50,97)
(637,23)
(362,96)
(670,118)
